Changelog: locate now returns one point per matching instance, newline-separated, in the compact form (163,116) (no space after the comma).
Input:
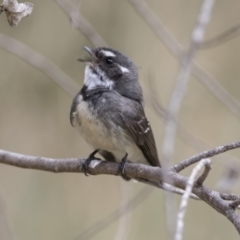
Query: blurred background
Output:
(34,119)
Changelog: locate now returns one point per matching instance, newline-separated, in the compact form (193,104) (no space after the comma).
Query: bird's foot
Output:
(87,162)
(122,168)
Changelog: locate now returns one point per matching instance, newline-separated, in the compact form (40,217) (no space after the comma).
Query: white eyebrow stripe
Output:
(108,53)
(123,69)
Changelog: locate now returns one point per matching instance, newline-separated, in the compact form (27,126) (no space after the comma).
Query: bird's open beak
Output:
(92,57)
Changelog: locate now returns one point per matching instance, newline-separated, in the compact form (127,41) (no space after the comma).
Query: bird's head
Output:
(111,69)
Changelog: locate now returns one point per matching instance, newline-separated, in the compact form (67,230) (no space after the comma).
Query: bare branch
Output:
(172,189)
(176,100)
(177,49)
(229,178)
(204,175)
(221,38)
(186,136)
(63,165)
(166,187)
(206,154)
(235,203)
(154,174)
(5,226)
(100,225)
(182,80)
(124,223)
(15,11)
(81,23)
(158,27)
(40,62)
(230,197)
(134,202)
(185,198)
(216,89)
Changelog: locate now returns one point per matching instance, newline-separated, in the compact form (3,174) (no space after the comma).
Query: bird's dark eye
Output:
(109,61)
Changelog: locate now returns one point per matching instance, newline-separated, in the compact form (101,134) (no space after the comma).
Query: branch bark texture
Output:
(132,170)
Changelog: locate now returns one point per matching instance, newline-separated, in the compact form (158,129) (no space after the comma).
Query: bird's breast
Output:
(101,132)
(98,131)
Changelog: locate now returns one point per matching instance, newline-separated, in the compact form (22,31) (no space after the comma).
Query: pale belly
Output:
(97,135)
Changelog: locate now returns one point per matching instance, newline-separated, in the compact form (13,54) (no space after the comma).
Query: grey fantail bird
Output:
(108,111)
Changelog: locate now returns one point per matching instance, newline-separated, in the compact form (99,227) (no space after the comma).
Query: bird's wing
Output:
(140,130)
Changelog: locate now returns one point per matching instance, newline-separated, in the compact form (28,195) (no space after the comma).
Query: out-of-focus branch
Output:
(230,197)
(229,178)
(135,171)
(130,205)
(231,166)
(124,223)
(158,27)
(40,62)
(206,154)
(221,38)
(182,80)
(98,226)
(6,232)
(176,100)
(172,189)
(81,23)
(207,168)
(235,203)
(177,49)
(15,11)
(186,195)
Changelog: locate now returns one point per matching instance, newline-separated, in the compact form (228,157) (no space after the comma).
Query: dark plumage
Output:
(108,111)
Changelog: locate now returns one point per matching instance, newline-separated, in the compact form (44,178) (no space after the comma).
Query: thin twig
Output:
(124,223)
(185,135)
(230,197)
(130,205)
(176,100)
(166,187)
(6,232)
(216,89)
(206,154)
(185,198)
(182,80)
(40,62)
(204,175)
(98,226)
(81,23)
(158,27)
(229,178)
(177,49)
(235,204)
(221,38)
(172,189)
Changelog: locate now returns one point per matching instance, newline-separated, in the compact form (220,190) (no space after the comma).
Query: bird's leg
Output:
(122,168)
(87,162)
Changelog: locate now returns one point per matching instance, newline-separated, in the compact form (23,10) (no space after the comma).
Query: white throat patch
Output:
(92,80)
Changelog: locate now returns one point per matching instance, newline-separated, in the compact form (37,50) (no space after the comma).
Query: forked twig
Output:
(186,195)
(176,100)
(177,49)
